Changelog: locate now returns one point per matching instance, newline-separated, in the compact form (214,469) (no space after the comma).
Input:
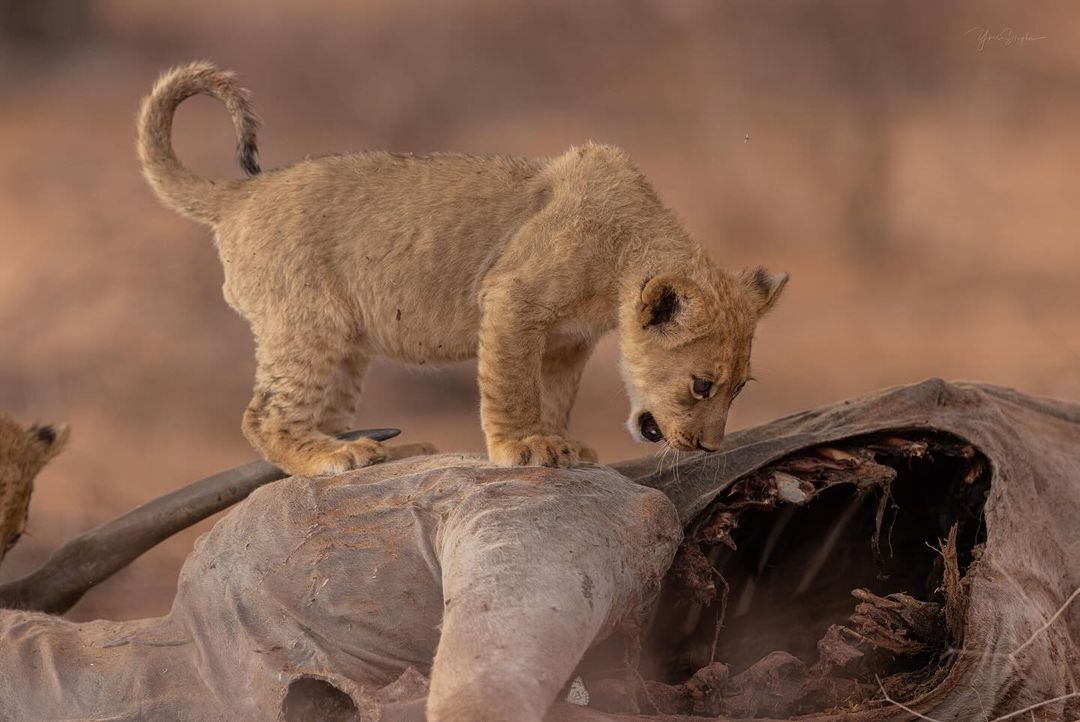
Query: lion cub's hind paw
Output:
(335,458)
(339,457)
(540,450)
(404,451)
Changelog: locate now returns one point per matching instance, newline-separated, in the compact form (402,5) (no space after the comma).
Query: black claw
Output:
(377,434)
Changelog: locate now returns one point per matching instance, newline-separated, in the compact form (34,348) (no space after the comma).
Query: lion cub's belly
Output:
(431,335)
(435,350)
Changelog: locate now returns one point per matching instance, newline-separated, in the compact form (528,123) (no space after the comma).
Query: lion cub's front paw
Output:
(586,453)
(540,451)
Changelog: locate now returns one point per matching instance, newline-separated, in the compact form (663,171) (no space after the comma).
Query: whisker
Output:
(670,455)
(659,454)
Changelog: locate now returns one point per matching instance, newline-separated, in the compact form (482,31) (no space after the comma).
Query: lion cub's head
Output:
(23,453)
(686,352)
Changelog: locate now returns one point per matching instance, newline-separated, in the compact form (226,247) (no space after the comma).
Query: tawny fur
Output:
(23,453)
(523,263)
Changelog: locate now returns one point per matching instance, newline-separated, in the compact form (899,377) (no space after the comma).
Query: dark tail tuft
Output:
(247,152)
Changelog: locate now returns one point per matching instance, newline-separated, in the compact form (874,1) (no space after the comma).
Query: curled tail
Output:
(178,187)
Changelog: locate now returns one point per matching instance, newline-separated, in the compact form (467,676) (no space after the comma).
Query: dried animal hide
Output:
(804,585)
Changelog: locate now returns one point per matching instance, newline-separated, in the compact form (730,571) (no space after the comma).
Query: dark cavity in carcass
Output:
(809,580)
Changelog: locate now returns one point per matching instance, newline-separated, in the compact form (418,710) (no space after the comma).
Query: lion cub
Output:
(24,451)
(523,263)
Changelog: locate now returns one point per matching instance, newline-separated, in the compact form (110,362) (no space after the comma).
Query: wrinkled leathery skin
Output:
(342,579)
(494,579)
(507,649)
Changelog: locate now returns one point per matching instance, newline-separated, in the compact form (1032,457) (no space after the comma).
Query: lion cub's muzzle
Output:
(650,430)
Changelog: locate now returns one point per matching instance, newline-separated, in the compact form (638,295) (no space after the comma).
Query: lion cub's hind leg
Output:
(343,394)
(304,388)
(343,400)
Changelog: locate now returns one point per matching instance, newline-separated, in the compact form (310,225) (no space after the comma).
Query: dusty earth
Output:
(921,192)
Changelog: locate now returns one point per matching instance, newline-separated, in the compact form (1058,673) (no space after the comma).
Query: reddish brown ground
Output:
(921,192)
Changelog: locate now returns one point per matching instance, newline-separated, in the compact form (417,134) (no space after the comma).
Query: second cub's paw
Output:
(540,451)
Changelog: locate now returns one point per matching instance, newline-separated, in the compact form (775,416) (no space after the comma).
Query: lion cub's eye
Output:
(701,387)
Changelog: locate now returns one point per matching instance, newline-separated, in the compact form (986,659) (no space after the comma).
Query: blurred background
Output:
(915,167)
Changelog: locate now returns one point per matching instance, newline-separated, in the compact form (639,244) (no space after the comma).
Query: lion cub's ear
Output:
(763,287)
(47,440)
(671,305)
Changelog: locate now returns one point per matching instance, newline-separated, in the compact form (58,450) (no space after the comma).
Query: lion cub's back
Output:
(401,237)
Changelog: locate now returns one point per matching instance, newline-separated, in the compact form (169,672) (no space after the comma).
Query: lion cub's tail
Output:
(177,186)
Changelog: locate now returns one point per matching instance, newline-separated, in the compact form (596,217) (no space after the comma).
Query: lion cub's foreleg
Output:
(512,388)
(306,390)
(561,370)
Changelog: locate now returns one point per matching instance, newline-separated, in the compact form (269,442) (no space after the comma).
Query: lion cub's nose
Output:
(710,441)
(649,428)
